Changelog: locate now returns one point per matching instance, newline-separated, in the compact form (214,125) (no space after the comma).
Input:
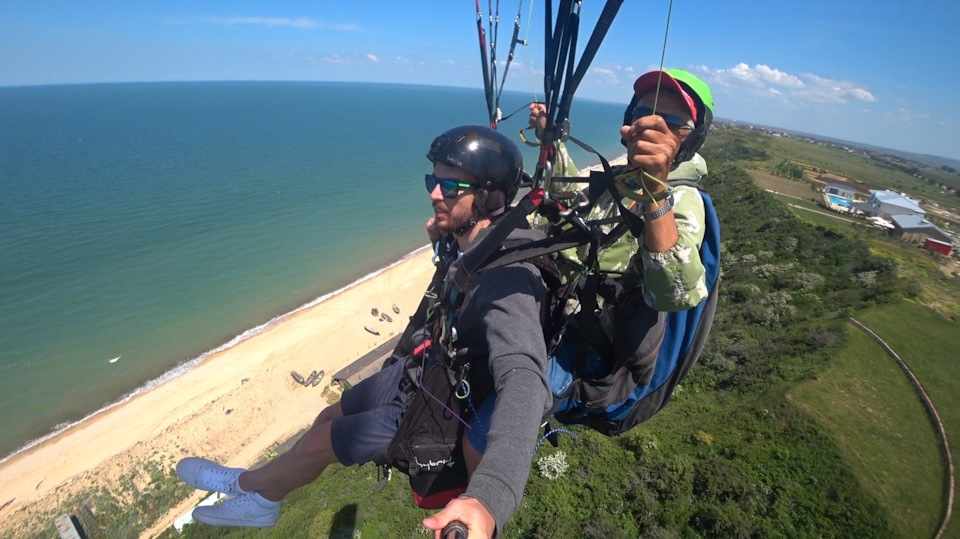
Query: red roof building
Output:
(938,246)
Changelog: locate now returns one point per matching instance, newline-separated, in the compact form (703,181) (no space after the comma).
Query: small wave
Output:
(188,365)
(114,360)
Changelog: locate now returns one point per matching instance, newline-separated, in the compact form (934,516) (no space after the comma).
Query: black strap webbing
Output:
(589,52)
(559,58)
(473,259)
(513,45)
(406,344)
(533,249)
(487,81)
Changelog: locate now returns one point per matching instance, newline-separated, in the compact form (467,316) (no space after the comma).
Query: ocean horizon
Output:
(145,226)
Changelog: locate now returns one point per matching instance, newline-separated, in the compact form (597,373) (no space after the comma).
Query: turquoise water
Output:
(157,222)
(840,201)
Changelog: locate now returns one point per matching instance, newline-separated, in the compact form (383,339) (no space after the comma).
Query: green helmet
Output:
(697,94)
(698,90)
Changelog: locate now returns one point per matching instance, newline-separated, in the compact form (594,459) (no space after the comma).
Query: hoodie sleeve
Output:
(509,305)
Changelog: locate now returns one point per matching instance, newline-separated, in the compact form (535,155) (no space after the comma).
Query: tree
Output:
(789,169)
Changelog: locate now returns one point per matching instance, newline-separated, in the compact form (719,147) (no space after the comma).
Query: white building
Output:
(890,203)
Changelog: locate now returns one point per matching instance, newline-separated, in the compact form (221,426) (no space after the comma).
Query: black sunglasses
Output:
(449,188)
(675,122)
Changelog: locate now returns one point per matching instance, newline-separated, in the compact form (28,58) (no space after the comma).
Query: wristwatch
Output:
(665,206)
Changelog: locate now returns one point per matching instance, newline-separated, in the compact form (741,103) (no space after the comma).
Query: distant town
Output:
(912,164)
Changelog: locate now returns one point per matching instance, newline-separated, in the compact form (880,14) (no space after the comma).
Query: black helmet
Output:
(490,156)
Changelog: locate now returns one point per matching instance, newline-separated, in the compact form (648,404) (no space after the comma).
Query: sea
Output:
(144,226)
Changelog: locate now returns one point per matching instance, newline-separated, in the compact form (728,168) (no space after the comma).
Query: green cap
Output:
(695,84)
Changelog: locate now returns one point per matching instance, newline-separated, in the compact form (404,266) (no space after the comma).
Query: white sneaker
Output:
(249,510)
(205,474)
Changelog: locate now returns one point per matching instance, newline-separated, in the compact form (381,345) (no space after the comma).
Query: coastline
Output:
(188,365)
(223,404)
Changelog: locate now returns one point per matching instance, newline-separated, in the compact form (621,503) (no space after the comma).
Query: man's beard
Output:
(457,219)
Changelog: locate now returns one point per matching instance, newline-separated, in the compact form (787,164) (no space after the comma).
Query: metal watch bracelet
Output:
(662,210)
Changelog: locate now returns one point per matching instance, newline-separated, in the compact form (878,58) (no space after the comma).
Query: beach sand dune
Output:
(232,408)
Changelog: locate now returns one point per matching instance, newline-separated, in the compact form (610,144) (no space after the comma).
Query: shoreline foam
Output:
(188,365)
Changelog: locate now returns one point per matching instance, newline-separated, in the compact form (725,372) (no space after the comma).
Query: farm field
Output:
(794,188)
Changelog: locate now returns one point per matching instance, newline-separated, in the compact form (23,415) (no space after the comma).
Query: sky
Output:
(884,73)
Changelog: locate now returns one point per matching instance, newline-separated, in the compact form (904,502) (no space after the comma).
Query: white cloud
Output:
(777,77)
(758,76)
(402,60)
(906,116)
(761,79)
(899,116)
(605,75)
(513,63)
(373,58)
(830,90)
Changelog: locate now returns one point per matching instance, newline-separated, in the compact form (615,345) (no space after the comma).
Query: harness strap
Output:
(472,261)
(589,52)
(487,83)
(559,58)
(428,304)
(533,249)
(513,45)
(588,309)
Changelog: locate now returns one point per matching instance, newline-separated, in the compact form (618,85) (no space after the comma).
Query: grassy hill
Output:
(878,420)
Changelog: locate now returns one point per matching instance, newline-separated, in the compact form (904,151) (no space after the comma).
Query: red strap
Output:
(536,196)
(418,351)
(438,500)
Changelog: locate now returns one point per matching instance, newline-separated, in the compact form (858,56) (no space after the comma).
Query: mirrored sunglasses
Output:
(448,188)
(672,121)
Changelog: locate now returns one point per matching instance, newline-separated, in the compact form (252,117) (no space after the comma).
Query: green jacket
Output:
(673,280)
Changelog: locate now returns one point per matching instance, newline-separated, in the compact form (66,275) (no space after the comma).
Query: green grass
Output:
(124,508)
(928,343)
(798,193)
(886,436)
(924,271)
(344,503)
(812,213)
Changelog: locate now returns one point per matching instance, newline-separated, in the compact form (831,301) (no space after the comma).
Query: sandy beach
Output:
(231,408)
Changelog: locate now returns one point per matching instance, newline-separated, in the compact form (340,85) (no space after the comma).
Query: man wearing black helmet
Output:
(497,325)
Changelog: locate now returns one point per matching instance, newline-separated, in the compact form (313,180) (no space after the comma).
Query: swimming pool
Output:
(840,201)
